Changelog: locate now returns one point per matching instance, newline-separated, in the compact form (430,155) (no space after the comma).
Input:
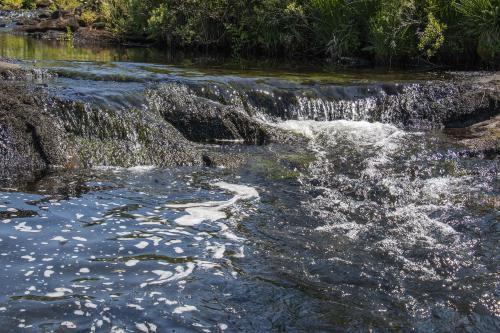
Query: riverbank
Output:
(341,33)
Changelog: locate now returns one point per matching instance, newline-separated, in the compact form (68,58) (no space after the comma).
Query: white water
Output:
(361,132)
(213,210)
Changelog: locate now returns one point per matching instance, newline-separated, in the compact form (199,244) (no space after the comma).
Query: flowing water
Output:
(375,226)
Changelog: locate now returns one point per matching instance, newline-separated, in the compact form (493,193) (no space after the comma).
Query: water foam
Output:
(213,210)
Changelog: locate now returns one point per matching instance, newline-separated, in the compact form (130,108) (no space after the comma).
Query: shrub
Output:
(482,23)
(70,5)
(432,38)
(88,17)
(335,28)
(387,31)
(11,4)
(392,30)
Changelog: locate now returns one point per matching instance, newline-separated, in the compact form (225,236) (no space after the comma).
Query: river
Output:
(372,226)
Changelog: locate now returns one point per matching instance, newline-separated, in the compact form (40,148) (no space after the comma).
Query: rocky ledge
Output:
(58,25)
(12,72)
(39,131)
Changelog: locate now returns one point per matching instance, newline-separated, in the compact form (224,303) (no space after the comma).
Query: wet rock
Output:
(480,138)
(458,101)
(59,24)
(30,137)
(123,138)
(27,21)
(13,72)
(204,120)
(39,132)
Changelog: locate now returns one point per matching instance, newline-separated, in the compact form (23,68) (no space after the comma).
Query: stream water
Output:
(372,227)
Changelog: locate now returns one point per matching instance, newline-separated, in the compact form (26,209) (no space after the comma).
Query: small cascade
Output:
(422,105)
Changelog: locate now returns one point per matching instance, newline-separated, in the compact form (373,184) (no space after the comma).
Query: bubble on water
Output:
(68,324)
(184,308)
(135,306)
(141,245)
(22,227)
(131,263)
(212,210)
(59,239)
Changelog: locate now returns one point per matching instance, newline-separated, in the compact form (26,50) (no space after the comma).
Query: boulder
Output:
(27,21)
(38,131)
(44,15)
(204,120)
(480,138)
(99,25)
(30,138)
(60,14)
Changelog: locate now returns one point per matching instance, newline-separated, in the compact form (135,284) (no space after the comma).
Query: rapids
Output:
(381,222)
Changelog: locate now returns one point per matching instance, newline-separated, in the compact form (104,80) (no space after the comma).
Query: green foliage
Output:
(334,25)
(11,4)
(393,29)
(88,17)
(432,38)
(482,24)
(69,34)
(385,31)
(29,4)
(65,4)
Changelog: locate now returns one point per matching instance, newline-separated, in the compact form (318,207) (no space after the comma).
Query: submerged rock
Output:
(13,72)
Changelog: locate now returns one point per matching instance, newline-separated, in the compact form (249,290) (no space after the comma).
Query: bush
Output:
(386,31)
(11,4)
(335,27)
(70,5)
(392,30)
(432,38)
(88,17)
(482,24)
